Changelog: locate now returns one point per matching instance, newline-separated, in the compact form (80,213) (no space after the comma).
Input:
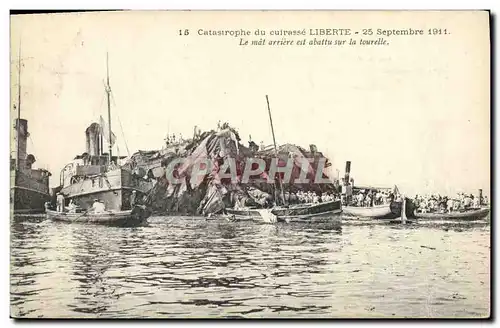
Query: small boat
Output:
(320,212)
(385,211)
(137,215)
(388,209)
(311,212)
(470,215)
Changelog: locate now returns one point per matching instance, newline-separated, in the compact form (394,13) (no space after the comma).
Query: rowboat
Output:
(122,218)
(372,212)
(382,212)
(318,212)
(470,215)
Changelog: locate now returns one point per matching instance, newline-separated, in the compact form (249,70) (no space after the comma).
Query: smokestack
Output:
(21,126)
(92,135)
(347,171)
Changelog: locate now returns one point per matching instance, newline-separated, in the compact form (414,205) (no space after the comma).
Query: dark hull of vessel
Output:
(135,216)
(29,187)
(471,215)
(321,212)
(28,201)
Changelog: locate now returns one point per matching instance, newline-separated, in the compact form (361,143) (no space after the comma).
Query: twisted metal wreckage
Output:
(209,193)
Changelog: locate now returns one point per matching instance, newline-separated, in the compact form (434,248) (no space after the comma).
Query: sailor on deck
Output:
(315,198)
(360,198)
(449,205)
(467,201)
(476,203)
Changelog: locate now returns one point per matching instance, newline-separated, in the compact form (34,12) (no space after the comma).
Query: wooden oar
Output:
(84,213)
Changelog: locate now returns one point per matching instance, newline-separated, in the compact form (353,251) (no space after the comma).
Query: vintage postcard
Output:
(250,164)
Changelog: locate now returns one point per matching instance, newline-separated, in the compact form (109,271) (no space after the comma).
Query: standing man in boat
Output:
(132,199)
(449,205)
(60,202)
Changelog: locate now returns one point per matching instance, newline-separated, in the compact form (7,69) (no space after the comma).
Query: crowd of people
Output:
(303,197)
(362,198)
(369,198)
(435,203)
(172,139)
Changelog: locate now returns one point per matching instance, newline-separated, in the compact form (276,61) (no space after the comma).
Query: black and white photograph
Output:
(250,164)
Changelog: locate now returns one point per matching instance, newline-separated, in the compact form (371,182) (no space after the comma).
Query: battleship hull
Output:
(28,195)
(28,201)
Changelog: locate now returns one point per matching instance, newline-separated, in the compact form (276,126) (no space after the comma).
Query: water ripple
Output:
(190,267)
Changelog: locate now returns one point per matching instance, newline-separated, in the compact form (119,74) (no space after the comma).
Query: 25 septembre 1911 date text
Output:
(317,32)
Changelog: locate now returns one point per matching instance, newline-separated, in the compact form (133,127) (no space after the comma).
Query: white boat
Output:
(470,215)
(130,217)
(372,212)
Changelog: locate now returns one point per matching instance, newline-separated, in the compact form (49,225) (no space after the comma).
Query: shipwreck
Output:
(212,189)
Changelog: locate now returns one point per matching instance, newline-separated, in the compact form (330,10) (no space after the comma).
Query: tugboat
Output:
(29,187)
(96,176)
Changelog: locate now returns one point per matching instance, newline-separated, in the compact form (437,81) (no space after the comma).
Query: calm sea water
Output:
(185,267)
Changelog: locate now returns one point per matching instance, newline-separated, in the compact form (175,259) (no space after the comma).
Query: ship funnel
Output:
(21,127)
(93,140)
(347,171)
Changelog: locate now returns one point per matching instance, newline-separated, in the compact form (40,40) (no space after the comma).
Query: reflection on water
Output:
(189,267)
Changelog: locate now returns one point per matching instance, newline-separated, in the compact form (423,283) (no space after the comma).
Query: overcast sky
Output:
(414,113)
